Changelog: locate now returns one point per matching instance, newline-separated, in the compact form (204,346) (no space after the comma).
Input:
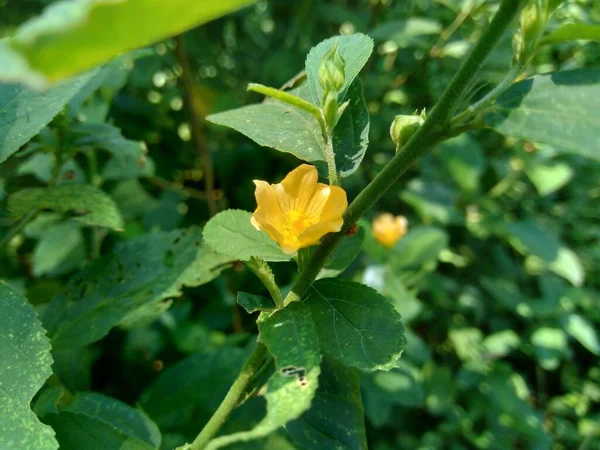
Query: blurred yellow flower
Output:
(299,211)
(387,229)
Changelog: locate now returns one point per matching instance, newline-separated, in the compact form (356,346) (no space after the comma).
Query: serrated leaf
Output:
(252,303)
(139,272)
(335,420)
(23,113)
(278,125)
(177,397)
(25,352)
(356,325)
(73,36)
(355,49)
(572,32)
(559,109)
(103,422)
(351,134)
(291,338)
(60,249)
(230,233)
(94,206)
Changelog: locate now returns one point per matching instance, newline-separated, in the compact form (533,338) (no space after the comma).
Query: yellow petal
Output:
(312,235)
(336,204)
(299,185)
(268,204)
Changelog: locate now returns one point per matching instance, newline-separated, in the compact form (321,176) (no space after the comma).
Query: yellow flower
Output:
(387,229)
(299,211)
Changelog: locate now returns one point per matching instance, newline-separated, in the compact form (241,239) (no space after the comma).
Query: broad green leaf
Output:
(73,367)
(550,346)
(467,342)
(354,49)
(335,420)
(528,238)
(582,330)
(26,361)
(440,386)
(572,32)
(73,36)
(230,233)
(252,303)
(23,113)
(421,245)
(343,255)
(356,325)
(139,272)
(93,206)
(432,200)
(193,388)
(291,338)
(97,422)
(558,109)
(550,178)
(501,343)
(60,249)
(351,134)
(278,125)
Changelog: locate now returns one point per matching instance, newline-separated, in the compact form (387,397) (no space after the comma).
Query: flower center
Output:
(297,222)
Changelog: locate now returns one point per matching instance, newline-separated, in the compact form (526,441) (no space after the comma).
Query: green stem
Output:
(286,97)
(474,109)
(25,220)
(431,131)
(264,273)
(233,398)
(330,159)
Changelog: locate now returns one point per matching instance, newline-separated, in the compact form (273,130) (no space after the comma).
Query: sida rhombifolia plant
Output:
(327,328)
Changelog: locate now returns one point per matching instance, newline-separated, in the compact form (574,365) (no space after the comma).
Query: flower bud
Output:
(533,20)
(403,127)
(331,71)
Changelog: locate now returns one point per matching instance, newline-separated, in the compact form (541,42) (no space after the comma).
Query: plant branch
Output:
(187,88)
(431,131)
(18,227)
(233,398)
(330,159)
(264,273)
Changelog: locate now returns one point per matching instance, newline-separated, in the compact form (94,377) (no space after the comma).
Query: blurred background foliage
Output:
(496,279)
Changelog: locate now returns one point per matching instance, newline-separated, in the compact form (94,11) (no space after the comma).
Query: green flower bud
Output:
(331,71)
(533,20)
(404,127)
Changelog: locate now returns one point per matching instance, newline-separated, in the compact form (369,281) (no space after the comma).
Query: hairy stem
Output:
(430,132)
(187,87)
(330,159)
(264,273)
(233,398)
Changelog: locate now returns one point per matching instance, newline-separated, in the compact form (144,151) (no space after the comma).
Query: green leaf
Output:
(73,36)
(139,272)
(403,32)
(440,386)
(343,255)
(356,325)
(501,343)
(567,265)
(550,178)
(60,249)
(351,134)
(335,420)
(421,245)
(572,32)
(23,113)
(354,49)
(465,161)
(26,361)
(101,423)
(432,200)
(278,125)
(528,238)
(180,394)
(291,338)
(558,109)
(550,345)
(93,206)
(252,303)
(584,332)
(230,233)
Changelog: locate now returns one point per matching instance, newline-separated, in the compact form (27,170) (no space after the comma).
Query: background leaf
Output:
(25,352)
(356,325)
(557,109)
(572,32)
(102,422)
(45,46)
